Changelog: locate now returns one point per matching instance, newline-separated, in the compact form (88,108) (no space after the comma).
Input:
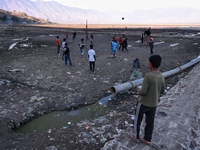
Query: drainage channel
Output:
(64,119)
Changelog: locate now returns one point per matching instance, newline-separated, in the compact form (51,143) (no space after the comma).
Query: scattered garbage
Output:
(49,131)
(173,44)
(44,46)
(56,115)
(16,70)
(12,45)
(65,127)
(26,45)
(162,113)
(156,43)
(103,140)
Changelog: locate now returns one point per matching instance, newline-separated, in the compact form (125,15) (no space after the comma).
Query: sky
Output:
(128,5)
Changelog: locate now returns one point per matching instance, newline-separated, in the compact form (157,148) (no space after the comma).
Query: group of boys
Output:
(66,51)
(152,87)
(122,44)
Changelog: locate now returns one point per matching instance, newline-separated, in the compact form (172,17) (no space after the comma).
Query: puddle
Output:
(62,119)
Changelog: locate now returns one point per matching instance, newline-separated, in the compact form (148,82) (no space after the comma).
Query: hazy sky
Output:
(128,5)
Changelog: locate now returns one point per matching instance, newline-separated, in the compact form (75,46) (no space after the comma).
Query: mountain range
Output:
(19,17)
(58,13)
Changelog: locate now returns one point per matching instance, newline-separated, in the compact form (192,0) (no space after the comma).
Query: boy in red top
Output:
(58,45)
(115,38)
(67,35)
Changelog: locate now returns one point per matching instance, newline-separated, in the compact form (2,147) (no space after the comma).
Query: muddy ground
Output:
(34,81)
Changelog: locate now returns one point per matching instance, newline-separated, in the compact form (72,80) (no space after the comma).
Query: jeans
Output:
(58,49)
(82,51)
(151,50)
(67,57)
(92,66)
(124,47)
(120,46)
(73,38)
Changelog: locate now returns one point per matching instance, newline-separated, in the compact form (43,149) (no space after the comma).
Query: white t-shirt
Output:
(63,44)
(91,54)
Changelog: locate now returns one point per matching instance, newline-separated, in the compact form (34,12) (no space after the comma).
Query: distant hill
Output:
(55,12)
(18,17)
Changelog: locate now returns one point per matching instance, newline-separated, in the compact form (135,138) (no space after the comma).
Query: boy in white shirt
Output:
(92,59)
(63,46)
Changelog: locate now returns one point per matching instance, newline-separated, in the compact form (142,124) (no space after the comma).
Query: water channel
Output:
(64,119)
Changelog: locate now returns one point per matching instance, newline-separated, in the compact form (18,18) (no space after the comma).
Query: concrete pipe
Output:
(131,84)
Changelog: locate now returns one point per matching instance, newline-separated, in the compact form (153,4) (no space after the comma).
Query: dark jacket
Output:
(125,44)
(151,45)
(66,51)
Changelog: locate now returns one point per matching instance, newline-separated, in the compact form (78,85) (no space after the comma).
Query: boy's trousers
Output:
(150,115)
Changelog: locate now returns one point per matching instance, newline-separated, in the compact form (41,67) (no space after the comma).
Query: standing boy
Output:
(142,38)
(124,45)
(151,45)
(114,46)
(121,41)
(67,55)
(92,59)
(74,36)
(66,35)
(153,85)
(82,46)
(58,45)
(91,39)
(63,47)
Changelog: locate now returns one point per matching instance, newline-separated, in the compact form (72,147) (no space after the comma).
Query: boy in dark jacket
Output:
(151,45)
(124,45)
(67,55)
